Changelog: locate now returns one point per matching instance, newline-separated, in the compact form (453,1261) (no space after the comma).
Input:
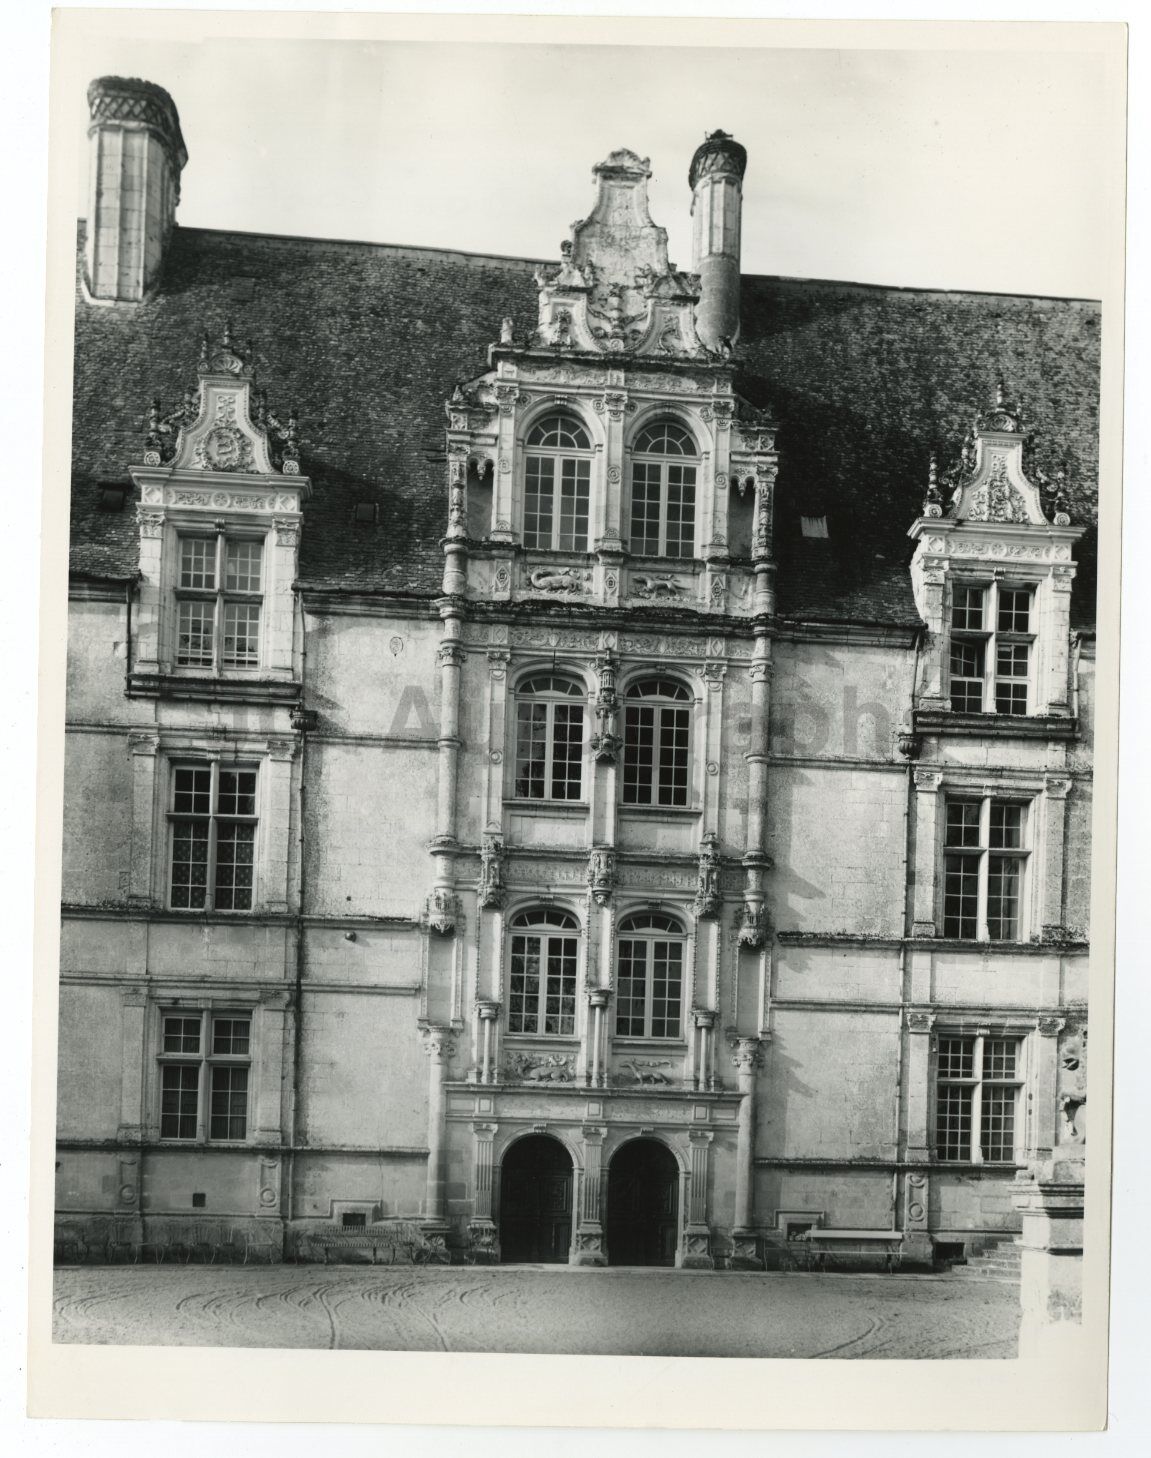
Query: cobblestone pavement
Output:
(538,1309)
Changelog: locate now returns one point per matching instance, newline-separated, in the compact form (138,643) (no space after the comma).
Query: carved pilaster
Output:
(601,874)
(491,888)
(589,1242)
(708,898)
(695,1252)
(483,1237)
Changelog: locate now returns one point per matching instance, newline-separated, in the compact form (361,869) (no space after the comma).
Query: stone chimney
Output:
(137,154)
(716,179)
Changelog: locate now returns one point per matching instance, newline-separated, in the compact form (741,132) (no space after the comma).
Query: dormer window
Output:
(557,485)
(218,601)
(663,480)
(991,648)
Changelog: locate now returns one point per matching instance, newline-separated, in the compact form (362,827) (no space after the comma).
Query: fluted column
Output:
(440,1045)
(597,1006)
(703,1020)
(696,1251)
(589,1241)
(745,1242)
(753,929)
(483,1243)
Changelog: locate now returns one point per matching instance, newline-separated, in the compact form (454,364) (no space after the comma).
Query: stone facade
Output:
(399,871)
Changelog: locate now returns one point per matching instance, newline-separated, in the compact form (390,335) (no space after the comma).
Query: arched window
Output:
(663,470)
(549,738)
(656,742)
(542,991)
(649,991)
(557,484)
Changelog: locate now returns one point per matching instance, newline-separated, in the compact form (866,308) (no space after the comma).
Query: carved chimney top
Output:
(719,152)
(125,100)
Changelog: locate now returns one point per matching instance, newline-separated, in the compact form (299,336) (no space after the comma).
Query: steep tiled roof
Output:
(367,341)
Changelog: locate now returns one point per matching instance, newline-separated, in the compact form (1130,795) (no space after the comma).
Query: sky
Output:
(971,169)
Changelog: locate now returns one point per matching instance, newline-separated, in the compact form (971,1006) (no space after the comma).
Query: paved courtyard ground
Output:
(538,1309)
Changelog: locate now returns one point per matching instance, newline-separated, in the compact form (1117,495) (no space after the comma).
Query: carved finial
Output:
(933,500)
(1000,394)
(506,327)
(226,340)
(205,347)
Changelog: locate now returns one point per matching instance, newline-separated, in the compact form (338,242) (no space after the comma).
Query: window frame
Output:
(559,456)
(207,1062)
(979,1081)
(213,819)
(220,596)
(674,934)
(980,853)
(663,460)
(551,700)
(989,639)
(532,922)
(684,701)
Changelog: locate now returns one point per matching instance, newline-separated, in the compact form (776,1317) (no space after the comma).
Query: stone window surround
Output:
(154,755)
(1046,796)
(198,503)
(1036,1130)
(143,1012)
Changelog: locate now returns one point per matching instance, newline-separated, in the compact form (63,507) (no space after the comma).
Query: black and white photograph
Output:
(578,832)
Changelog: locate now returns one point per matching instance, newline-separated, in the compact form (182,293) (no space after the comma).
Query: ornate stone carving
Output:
(708,899)
(601,874)
(1072,1085)
(919,1021)
(752,930)
(439,1042)
(442,911)
(997,499)
(605,742)
(747,1055)
(451,655)
(928,780)
(539,1068)
(910,745)
(560,579)
(655,585)
(491,889)
(644,1071)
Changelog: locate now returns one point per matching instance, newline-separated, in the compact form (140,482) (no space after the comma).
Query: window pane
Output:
(559,1004)
(680,511)
(666,988)
(1000,1056)
(198,563)
(531,750)
(1003,883)
(229,1110)
(237,792)
(194,633)
(967,660)
(673,743)
(192,790)
(1011,674)
(957,1057)
(953,1121)
(235,848)
(963,822)
(638,754)
(645,493)
(1005,825)
(567,751)
(242,562)
(967,608)
(575,485)
(664,437)
(181,1034)
(1014,610)
(179,1100)
(523,1000)
(961,896)
(189,864)
(241,634)
(560,432)
(997,1123)
(631,989)
(231,1035)
(539,479)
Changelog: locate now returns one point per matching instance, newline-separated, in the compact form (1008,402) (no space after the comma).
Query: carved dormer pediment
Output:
(614,290)
(223,424)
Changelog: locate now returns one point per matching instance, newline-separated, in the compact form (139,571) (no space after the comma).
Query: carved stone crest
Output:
(707,893)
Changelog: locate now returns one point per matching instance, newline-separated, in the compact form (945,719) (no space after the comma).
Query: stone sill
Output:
(1011,726)
(574,808)
(213,690)
(658,812)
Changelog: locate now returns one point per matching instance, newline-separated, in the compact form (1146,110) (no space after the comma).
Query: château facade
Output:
(596,763)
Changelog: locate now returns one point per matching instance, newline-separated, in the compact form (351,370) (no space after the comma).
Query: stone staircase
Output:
(999,1261)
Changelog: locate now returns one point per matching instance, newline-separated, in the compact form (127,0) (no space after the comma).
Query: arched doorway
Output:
(642,1205)
(536,1201)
